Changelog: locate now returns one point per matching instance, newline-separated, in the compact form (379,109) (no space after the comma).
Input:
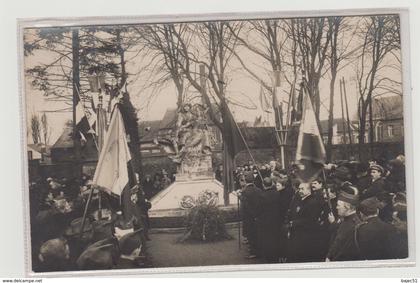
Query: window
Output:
(390,130)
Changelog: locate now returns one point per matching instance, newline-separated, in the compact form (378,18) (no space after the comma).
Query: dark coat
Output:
(343,246)
(305,231)
(148,189)
(271,212)
(376,188)
(249,207)
(376,239)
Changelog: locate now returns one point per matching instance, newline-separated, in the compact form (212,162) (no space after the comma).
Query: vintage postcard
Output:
(220,142)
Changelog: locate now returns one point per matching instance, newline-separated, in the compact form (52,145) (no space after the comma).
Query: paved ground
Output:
(165,251)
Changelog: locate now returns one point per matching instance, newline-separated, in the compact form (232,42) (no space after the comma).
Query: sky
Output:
(241,88)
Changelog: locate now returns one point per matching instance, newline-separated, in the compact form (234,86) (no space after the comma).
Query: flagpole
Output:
(76,86)
(99,146)
(244,141)
(86,211)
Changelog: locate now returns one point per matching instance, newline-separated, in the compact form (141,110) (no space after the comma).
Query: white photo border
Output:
(403,13)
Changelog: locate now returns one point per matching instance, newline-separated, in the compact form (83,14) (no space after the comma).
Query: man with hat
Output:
(342,247)
(374,238)
(101,255)
(376,186)
(132,248)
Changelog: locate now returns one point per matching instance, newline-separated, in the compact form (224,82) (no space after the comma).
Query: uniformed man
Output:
(376,186)
(342,247)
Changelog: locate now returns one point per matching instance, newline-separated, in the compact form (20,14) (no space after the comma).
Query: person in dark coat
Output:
(147,186)
(323,196)
(269,219)
(137,211)
(258,182)
(377,185)
(249,198)
(219,173)
(342,247)
(374,238)
(304,237)
(285,194)
(400,224)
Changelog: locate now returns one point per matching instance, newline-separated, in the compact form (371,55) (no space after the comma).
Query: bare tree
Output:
(378,41)
(215,41)
(312,36)
(341,53)
(163,49)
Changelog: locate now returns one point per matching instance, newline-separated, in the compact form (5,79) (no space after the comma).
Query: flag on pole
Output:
(264,101)
(101,127)
(111,172)
(85,118)
(233,133)
(310,151)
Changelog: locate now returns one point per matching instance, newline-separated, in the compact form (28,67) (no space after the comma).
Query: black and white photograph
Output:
(215,142)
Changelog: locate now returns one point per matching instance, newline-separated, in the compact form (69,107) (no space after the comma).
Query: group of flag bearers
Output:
(115,237)
(313,213)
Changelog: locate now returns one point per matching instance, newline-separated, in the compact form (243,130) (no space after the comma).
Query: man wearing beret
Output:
(342,246)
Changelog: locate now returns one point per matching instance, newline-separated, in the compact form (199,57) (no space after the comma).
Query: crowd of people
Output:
(351,211)
(108,238)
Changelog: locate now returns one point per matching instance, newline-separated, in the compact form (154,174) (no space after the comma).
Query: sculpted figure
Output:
(191,134)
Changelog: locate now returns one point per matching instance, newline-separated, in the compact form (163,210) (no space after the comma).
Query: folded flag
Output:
(111,173)
(310,151)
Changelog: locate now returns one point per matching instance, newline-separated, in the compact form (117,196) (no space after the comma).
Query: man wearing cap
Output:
(376,186)
(374,238)
(304,228)
(342,247)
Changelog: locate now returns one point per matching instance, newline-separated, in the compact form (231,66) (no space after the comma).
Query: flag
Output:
(85,118)
(278,110)
(264,101)
(111,173)
(101,126)
(232,131)
(310,152)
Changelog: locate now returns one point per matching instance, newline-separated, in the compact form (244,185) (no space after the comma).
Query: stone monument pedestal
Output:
(196,176)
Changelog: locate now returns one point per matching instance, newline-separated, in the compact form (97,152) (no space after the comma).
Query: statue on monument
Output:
(192,136)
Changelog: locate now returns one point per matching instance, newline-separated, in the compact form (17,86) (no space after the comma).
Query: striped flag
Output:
(111,173)
(310,151)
